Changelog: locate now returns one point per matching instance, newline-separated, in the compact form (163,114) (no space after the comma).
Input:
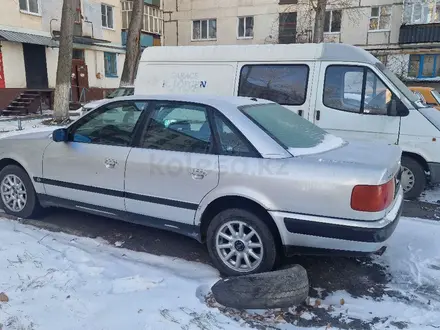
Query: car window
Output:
(356,89)
(231,143)
(283,84)
(284,126)
(112,124)
(176,126)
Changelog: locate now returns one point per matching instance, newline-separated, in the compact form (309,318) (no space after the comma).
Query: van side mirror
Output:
(396,108)
(59,135)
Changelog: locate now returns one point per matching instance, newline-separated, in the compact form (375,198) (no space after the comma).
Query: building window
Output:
(332,22)
(422,12)
(245,27)
(110,65)
(383,59)
(78,54)
(288,2)
(380,18)
(204,29)
(152,21)
(107,16)
(287,28)
(30,6)
(424,66)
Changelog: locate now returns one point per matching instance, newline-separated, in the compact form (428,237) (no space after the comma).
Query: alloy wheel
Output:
(13,193)
(239,246)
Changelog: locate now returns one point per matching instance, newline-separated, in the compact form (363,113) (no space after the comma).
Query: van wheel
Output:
(17,193)
(413,178)
(240,243)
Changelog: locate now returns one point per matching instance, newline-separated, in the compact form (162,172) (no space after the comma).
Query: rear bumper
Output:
(434,170)
(305,234)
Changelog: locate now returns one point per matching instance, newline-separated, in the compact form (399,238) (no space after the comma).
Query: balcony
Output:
(419,33)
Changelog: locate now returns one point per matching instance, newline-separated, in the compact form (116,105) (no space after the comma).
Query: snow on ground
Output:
(12,125)
(58,281)
(431,195)
(413,260)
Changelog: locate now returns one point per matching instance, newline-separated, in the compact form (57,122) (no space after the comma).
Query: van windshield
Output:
(398,83)
(293,132)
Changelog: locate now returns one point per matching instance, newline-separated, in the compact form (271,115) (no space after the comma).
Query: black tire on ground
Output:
(32,207)
(258,224)
(419,177)
(279,289)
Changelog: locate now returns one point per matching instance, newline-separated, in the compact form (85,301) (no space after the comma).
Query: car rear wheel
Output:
(240,243)
(17,193)
(413,178)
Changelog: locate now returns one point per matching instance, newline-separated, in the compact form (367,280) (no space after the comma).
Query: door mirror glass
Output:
(59,135)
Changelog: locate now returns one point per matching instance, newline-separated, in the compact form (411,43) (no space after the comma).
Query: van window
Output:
(355,89)
(283,83)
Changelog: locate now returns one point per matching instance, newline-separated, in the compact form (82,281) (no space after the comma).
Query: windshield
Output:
(127,91)
(291,131)
(436,95)
(398,83)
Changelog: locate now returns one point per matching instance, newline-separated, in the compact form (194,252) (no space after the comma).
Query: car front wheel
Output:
(240,243)
(17,193)
(413,178)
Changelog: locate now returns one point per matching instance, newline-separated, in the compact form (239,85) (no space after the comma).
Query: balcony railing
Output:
(419,33)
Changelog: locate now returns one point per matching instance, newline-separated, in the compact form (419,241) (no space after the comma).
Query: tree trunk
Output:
(64,69)
(318,33)
(133,46)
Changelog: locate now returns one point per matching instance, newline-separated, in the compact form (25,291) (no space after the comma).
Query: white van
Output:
(339,87)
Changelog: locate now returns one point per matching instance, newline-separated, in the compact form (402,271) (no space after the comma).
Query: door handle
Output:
(198,174)
(300,113)
(318,114)
(110,163)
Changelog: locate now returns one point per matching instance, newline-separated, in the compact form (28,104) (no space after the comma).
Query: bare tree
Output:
(318,31)
(133,45)
(64,68)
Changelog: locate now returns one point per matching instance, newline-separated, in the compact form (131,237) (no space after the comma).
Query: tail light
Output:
(372,198)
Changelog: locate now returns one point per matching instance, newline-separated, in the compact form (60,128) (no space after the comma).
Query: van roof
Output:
(269,52)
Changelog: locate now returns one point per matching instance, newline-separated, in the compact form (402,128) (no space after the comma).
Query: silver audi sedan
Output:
(248,177)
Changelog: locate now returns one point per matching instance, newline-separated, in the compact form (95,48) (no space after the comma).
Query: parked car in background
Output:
(118,92)
(429,94)
(341,88)
(246,176)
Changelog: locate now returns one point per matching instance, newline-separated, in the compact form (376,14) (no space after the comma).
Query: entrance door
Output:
(35,66)
(79,79)
(353,102)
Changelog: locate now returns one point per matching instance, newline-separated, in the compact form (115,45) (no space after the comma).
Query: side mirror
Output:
(59,135)
(397,108)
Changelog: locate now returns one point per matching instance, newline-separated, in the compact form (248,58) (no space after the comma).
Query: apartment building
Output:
(29,34)
(405,35)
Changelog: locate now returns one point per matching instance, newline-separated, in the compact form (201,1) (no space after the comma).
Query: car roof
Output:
(211,100)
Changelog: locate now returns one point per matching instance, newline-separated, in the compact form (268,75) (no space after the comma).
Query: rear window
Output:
(281,83)
(285,126)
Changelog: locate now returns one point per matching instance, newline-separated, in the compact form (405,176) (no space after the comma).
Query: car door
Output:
(173,165)
(283,83)
(88,170)
(352,102)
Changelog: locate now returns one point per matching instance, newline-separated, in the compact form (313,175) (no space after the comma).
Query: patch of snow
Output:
(328,143)
(119,243)
(58,281)
(431,195)
(13,125)
(413,260)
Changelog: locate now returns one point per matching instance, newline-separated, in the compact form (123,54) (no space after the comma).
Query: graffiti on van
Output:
(184,82)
